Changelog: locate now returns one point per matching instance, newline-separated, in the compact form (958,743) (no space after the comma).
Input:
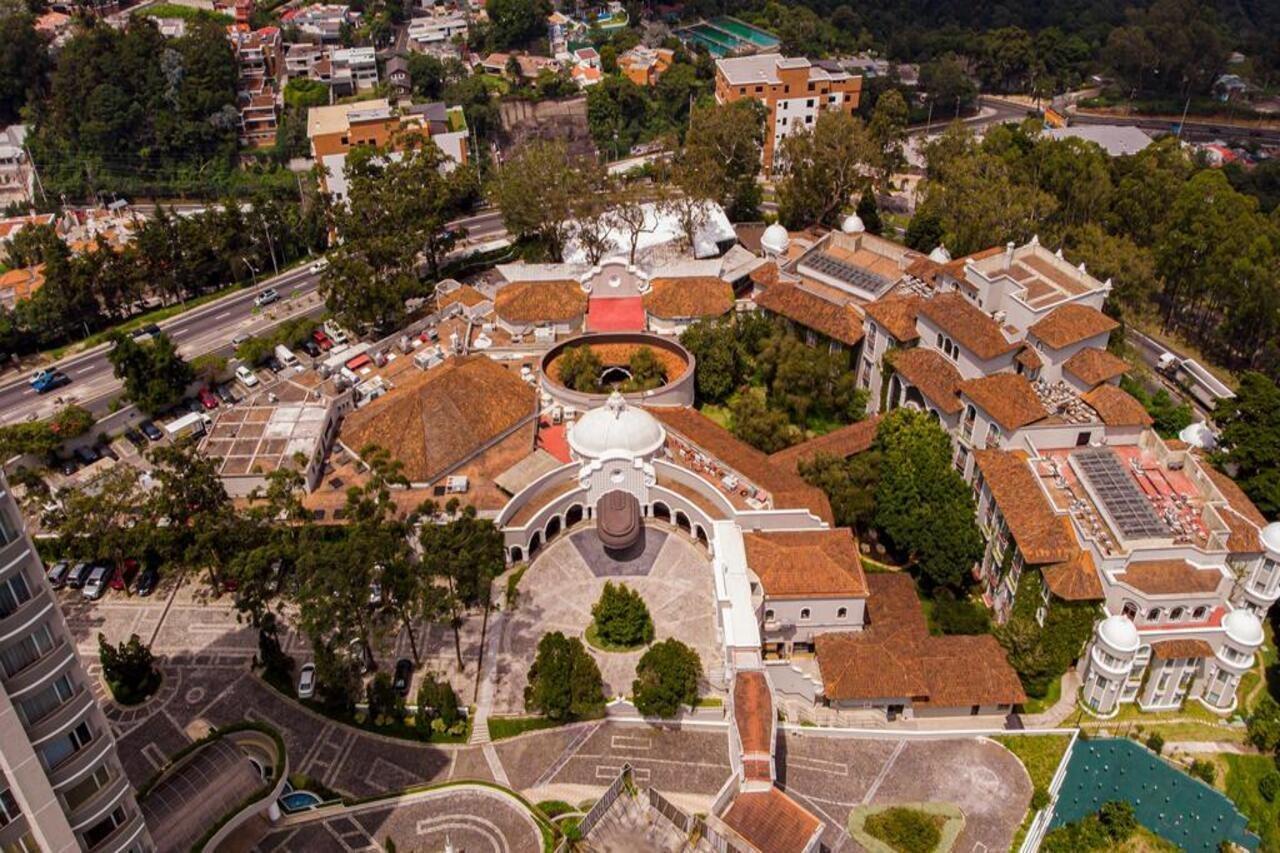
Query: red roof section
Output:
(615,314)
(753,711)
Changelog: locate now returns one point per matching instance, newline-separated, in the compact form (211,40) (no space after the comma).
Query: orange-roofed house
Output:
(644,65)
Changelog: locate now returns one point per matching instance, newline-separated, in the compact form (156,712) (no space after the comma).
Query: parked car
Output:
(274,364)
(239,339)
(147,580)
(148,331)
(266,297)
(136,439)
(150,430)
(87,455)
(96,584)
(307,681)
(78,574)
(124,575)
(207,400)
(245,375)
(57,575)
(225,394)
(68,466)
(404,675)
(193,405)
(322,339)
(311,348)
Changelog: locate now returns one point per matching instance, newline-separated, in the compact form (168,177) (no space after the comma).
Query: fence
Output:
(616,787)
(693,826)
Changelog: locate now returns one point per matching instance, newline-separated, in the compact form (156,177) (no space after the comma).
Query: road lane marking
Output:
(222,315)
(182,331)
(82,371)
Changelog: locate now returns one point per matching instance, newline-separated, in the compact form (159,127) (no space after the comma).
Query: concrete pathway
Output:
(488,678)
(1210,746)
(1060,710)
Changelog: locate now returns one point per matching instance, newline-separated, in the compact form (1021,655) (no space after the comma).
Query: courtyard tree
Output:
(722,149)
(764,428)
(666,679)
(1249,446)
(850,485)
(155,377)
(580,368)
(721,360)
(822,167)
(129,669)
(464,554)
(923,505)
(621,618)
(564,680)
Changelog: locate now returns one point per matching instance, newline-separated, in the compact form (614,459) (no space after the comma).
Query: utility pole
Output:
(270,246)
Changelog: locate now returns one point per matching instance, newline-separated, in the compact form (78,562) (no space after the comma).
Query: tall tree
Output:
(888,130)
(155,377)
(822,167)
(1249,445)
(464,555)
(564,680)
(722,148)
(537,190)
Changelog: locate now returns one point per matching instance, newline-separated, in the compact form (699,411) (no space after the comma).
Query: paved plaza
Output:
(560,587)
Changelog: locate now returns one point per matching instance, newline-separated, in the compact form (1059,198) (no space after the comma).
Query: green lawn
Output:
(190,13)
(494,83)
(1040,754)
(1243,773)
(505,727)
(1039,706)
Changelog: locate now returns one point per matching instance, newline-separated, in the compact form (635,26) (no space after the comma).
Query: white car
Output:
(307,681)
(96,585)
(320,265)
(245,375)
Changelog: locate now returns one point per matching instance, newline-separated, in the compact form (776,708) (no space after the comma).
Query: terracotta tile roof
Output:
(555,301)
(895,658)
(439,418)
(1169,577)
(466,295)
(897,314)
(753,711)
(968,325)
(968,670)
(1071,324)
(807,564)
(930,372)
(1028,358)
(838,322)
(1093,366)
(1178,649)
(925,269)
(1075,579)
(772,821)
(1035,527)
(786,487)
(955,267)
(1006,397)
(1116,408)
(843,442)
(691,296)
(1234,495)
(1242,535)
(21,283)
(766,274)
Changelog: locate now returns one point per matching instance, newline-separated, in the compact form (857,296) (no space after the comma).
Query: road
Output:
(208,328)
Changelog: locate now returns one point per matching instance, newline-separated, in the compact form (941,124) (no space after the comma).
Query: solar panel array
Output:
(1121,498)
(846,272)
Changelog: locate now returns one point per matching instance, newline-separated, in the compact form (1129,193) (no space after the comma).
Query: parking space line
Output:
(629,742)
(884,771)
(834,768)
(610,772)
(154,755)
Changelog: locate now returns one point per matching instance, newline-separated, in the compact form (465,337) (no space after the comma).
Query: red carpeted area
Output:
(617,314)
(553,439)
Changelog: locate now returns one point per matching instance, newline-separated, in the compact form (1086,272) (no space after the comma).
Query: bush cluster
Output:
(621,617)
(906,830)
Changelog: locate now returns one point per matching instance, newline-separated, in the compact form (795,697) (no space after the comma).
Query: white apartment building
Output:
(437,32)
(63,787)
(17,174)
(358,64)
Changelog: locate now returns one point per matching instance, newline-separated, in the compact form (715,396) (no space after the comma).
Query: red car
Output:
(322,339)
(207,399)
(124,576)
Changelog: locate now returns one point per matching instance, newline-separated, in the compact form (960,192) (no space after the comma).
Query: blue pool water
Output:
(297,801)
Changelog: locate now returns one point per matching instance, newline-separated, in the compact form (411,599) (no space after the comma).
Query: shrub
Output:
(1203,770)
(386,705)
(129,670)
(666,678)
(1039,798)
(1117,819)
(1155,742)
(1269,786)
(621,617)
(437,702)
(907,830)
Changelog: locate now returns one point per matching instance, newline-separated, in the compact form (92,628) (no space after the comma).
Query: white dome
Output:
(1271,537)
(616,428)
(852,224)
(1198,434)
(1119,633)
(775,239)
(1243,627)
(940,255)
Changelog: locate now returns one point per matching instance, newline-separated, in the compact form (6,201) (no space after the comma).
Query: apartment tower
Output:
(63,787)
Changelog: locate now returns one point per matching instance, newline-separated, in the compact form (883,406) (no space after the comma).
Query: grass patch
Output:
(595,641)
(1044,703)
(1243,774)
(554,808)
(494,83)
(710,702)
(906,828)
(719,414)
(1040,755)
(513,584)
(187,13)
(501,728)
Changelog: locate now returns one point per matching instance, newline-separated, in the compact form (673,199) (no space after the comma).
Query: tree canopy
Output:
(666,679)
(155,377)
(564,680)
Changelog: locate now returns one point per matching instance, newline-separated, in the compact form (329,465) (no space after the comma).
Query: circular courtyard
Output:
(556,593)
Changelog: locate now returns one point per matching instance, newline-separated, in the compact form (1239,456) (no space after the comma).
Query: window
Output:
(9,529)
(759,89)
(100,830)
(1082,439)
(768,615)
(78,794)
(1176,614)
(808,119)
(1200,613)
(60,749)
(842,613)
(13,594)
(46,701)
(804,614)
(809,103)
(26,651)
(1154,614)
(9,810)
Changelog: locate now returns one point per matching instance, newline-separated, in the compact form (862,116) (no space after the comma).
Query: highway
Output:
(208,328)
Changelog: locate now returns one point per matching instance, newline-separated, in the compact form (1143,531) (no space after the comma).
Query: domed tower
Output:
(775,241)
(1242,632)
(853,224)
(1261,584)
(1109,663)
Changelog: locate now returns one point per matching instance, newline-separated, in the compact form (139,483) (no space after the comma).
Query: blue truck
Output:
(47,380)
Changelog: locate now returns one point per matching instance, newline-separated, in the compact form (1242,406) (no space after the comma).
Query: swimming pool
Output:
(718,42)
(746,32)
(299,801)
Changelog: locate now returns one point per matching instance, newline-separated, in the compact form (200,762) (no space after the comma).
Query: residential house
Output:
(437,33)
(320,23)
(397,74)
(644,65)
(17,172)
